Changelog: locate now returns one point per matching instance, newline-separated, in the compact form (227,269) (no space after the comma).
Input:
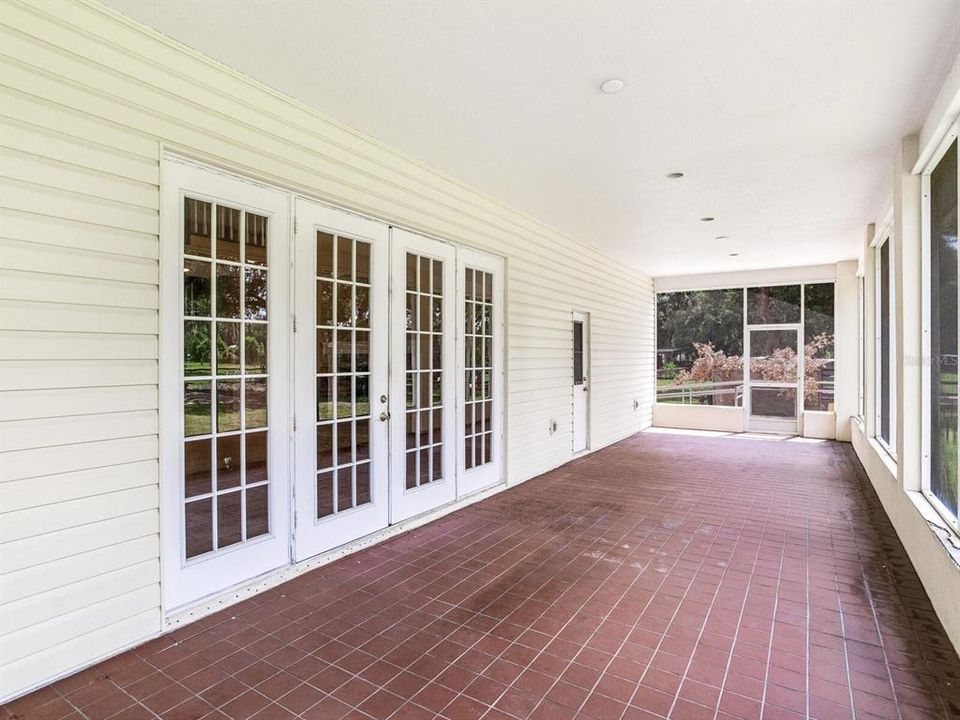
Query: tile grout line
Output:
(773,625)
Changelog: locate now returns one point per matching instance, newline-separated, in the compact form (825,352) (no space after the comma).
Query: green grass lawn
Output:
(325,409)
(196,420)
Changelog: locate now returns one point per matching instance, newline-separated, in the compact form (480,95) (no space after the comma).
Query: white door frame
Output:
(581,391)
(406,503)
(485,475)
(187,581)
(760,423)
(313,535)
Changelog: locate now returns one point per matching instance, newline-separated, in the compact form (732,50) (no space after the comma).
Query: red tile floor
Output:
(666,576)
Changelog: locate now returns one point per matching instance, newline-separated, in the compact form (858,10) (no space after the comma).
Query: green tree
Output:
(700,316)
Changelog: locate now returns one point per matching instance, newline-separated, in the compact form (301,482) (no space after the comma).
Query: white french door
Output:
(224,382)
(480,365)
(423,375)
(341,385)
(344,376)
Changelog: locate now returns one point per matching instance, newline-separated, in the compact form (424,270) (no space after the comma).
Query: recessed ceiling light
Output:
(611,86)
(675,175)
(706,219)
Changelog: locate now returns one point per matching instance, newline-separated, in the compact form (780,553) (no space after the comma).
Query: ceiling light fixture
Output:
(722,237)
(675,175)
(706,219)
(734,254)
(611,86)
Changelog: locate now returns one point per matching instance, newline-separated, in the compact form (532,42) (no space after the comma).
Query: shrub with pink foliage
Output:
(715,366)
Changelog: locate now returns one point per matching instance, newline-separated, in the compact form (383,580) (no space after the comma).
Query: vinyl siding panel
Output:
(30,611)
(88,99)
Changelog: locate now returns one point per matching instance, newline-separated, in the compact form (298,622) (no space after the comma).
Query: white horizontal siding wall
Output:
(88,100)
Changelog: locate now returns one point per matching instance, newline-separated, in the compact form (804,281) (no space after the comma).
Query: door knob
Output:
(384,416)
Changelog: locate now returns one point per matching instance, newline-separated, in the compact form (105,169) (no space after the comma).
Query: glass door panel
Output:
(480,367)
(580,389)
(341,341)
(225,320)
(225,501)
(342,373)
(423,466)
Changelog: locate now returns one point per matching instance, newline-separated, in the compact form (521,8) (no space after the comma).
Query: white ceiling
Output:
(783,115)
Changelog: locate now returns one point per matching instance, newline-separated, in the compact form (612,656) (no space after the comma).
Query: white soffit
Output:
(747,278)
(784,116)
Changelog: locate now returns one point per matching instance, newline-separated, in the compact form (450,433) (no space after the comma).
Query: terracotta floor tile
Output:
(682,575)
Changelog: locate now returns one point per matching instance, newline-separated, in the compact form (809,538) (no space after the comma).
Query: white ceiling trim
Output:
(747,278)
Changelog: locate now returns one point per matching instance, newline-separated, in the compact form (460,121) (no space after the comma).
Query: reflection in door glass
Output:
(578,353)
(342,374)
(423,458)
(226,383)
(943,331)
(478,369)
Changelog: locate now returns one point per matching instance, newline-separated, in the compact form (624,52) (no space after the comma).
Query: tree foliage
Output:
(716,366)
(685,319)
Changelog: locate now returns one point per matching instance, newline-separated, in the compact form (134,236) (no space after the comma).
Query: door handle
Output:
(586,389)
(384,416)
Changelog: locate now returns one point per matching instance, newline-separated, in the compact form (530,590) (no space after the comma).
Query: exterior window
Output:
(818,346)
(941,406)
(886,368)
(699,347)
(861,350)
